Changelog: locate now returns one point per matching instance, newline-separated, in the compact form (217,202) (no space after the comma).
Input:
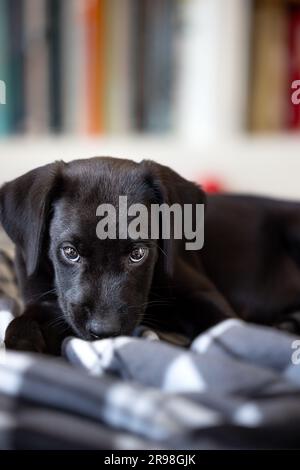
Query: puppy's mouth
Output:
(84,331)
(80,320)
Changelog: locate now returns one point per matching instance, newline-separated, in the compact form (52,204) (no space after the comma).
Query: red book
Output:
(293,118)
(95,34)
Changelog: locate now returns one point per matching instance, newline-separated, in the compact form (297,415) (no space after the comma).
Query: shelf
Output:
(265,165)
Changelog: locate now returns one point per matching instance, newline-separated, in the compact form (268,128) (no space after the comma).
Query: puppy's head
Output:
(102,285)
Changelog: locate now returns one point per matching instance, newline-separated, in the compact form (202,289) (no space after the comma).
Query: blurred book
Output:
(73,66)
(275,66)
(5,126)
(15,84)
(96,64)
(293,115)
(154,36)
(196,67)
(54,29)
(11,66)
(268,99)
(36,67)
(212,43)
(119,77)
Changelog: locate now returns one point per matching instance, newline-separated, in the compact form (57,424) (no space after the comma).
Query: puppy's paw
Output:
(24,334)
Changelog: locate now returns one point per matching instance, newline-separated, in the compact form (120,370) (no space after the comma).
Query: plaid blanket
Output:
(238,386)
(9,295)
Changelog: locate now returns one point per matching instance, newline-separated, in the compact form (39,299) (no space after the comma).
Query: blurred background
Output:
(203,86)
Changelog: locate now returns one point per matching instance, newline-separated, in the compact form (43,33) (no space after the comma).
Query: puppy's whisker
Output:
(147,317)
(59,320)
(152,324)
(51,291)
(150,318)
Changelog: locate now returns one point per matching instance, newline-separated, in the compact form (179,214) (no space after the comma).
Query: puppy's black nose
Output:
(97,330)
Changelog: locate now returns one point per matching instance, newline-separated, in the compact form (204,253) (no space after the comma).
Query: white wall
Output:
(258,165)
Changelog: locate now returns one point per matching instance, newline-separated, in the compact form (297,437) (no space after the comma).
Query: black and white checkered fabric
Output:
(236,387)
(9,295)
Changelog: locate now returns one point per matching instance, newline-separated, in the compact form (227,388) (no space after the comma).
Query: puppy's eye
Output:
(71,254)
(138,254)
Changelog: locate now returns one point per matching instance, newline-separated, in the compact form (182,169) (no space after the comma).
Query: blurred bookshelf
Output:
(200,85)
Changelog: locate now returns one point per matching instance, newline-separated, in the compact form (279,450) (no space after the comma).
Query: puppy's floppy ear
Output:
(24,206)
(171,188)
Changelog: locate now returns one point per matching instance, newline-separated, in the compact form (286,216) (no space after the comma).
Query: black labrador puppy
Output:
(75,283)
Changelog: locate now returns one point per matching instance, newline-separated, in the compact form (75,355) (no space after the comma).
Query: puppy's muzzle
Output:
(99,329)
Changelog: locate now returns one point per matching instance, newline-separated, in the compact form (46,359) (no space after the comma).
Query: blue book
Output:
(15,85)
(4,69)
(159,64)
(11,65)
(54,12)
(153,64)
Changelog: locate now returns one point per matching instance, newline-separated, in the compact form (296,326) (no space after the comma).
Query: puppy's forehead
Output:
(102,180)
(92,183)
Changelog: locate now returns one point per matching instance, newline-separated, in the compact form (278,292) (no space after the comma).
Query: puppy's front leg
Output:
(25,334)
(39,329)
(205,305)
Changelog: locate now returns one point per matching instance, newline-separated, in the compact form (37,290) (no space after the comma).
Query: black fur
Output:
(57,203)
(247,268)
